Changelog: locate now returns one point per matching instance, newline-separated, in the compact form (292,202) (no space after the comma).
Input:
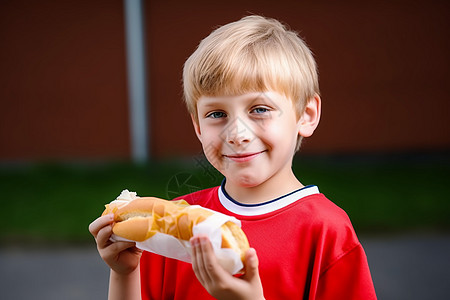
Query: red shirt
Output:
(306,246)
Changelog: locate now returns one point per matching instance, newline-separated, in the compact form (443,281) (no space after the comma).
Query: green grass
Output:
(57,202)
(383,194)
(54,202)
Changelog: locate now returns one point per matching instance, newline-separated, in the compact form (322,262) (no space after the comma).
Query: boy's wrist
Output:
(124,275)
(124,286)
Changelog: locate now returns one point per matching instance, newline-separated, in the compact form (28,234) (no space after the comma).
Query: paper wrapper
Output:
(169,246)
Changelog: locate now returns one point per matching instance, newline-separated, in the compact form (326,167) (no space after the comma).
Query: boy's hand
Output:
(218,282)
(121,257)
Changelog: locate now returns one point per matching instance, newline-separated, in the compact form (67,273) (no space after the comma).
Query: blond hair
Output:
(254,54)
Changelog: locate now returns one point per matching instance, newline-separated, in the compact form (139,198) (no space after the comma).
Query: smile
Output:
(243,157)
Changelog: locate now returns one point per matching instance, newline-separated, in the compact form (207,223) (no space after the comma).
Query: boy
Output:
(251,88)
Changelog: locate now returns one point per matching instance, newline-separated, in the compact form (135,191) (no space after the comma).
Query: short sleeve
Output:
(347,278)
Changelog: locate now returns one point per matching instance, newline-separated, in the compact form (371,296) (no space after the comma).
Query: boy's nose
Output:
(238,132)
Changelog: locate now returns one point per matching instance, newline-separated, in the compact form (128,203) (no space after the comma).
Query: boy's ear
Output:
(310,117)
(196,127)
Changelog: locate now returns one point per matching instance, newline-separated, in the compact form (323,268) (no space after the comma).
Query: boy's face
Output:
(249,138)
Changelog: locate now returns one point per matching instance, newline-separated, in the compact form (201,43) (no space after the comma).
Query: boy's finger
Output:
(111,253)
(99,223)
(121,246)
(200,269)
(197,261)
(205,260)
(210,263)
(251,264)
(103,236)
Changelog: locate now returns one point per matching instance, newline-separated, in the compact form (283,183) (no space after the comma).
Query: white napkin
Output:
(169,246)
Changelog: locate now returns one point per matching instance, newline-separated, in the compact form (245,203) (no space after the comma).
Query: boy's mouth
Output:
(243,157)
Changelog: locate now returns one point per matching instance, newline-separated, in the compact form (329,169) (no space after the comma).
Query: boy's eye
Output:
(216,115)
(260,110)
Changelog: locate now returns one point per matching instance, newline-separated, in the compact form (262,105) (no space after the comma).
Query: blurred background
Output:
(91,102)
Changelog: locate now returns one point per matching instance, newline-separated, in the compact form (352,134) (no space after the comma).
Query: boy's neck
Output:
(269,190)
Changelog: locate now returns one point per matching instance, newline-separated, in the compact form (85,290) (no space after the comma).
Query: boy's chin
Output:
(244,182)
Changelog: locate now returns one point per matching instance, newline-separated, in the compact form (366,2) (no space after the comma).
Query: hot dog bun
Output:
(143,217)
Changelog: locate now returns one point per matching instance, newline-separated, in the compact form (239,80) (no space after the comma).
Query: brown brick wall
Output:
(62,80)
(383,74)
(383,69)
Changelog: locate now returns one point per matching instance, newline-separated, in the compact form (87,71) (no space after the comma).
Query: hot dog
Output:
(143,217)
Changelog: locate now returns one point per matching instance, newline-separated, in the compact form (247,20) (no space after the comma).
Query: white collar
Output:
(263,208)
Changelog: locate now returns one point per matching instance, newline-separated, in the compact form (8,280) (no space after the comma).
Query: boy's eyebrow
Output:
(215,102)
(262,97)
(259,97)
(212,103)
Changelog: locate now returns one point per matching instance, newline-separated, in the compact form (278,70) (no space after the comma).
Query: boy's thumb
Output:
(251,264)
